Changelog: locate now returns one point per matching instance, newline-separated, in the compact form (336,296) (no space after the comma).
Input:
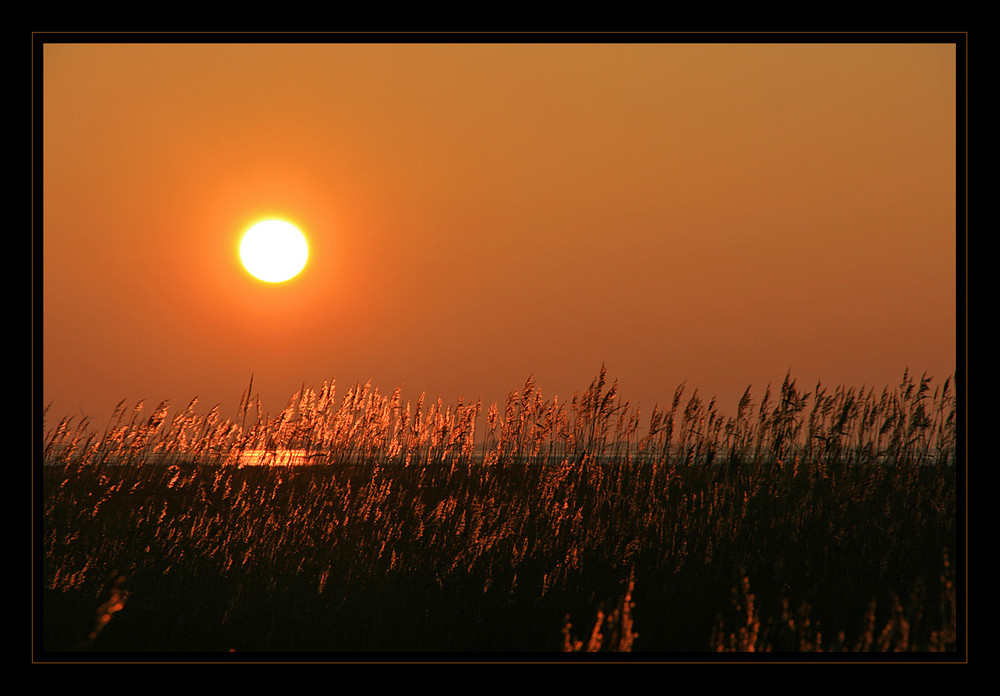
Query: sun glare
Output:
(274,251)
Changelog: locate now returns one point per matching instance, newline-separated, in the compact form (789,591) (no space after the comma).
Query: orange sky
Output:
(711,213)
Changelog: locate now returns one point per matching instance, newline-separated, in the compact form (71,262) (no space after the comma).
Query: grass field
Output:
(806,522)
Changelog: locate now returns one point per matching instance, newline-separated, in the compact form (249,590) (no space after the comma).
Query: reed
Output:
(432,526)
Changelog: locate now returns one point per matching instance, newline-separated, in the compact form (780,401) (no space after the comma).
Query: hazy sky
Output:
(477,213)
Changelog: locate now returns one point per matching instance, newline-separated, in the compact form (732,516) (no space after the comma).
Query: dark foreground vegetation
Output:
(808,522)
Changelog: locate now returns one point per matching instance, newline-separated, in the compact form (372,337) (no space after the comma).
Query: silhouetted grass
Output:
(806,522)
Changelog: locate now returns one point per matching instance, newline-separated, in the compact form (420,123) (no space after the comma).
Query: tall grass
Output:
(908,425)
(426,526)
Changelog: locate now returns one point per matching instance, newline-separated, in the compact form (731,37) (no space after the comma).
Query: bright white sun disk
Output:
(274,251)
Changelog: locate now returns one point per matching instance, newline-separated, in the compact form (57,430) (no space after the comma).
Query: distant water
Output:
(252,457)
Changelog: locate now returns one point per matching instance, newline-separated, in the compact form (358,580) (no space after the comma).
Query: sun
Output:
(274,251)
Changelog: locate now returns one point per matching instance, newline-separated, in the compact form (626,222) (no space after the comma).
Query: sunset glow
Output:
(717,214)
(485,346)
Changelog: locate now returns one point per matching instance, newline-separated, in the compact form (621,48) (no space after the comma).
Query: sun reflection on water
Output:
(271,457)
